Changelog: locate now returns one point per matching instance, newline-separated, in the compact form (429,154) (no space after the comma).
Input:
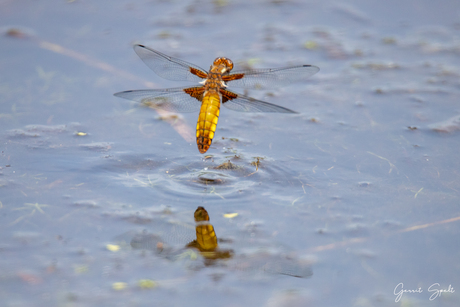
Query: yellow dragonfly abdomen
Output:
(206,237)
(205,234)
(207,121)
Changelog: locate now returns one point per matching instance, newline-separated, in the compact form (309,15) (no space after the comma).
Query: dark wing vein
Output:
(271,77)
(168,67)
(168,99)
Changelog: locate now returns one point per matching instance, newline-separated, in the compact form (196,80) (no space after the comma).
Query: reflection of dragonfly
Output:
(168,235)
(206,239)
(208,97)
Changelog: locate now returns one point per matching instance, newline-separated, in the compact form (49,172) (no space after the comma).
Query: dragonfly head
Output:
(225,65)
(201,214)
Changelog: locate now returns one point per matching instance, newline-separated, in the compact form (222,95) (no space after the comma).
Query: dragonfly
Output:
(212,91)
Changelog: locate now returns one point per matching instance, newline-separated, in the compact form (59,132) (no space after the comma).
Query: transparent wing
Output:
(241,103)
(168,67)
(169,99)
(270,77)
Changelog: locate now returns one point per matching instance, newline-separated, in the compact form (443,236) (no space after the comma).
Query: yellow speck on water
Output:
(190,254)
(310,45)
(147,284)
(220,3)
(80,269)
(119,286)
(113,247)
(164,34)
(253,61)
(230,215)
(82,133)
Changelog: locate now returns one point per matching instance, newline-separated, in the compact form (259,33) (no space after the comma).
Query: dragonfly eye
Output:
(228,64)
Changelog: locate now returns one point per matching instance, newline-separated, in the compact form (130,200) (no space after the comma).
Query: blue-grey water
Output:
(359,192)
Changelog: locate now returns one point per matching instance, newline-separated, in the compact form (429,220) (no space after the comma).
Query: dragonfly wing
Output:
(270,77)
(241,103)
(168,67)
(180,99)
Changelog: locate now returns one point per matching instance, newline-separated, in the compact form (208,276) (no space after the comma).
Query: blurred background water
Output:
(361,187)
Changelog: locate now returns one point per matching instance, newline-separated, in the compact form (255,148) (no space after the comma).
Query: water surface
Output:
(361,187)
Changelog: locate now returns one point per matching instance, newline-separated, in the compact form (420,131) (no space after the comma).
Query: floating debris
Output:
(212,178)
(164,34)
(220,3)
(208,157)
(19,133)
(113,247)
(448,126)
(167,117)
(16,33)
(227,165)
(230,215)
(376,66)
(35,130)
(147,284)
(46,128)
(118,286)
(364,184)
(389,40)
(97,146)
(231,139)
(81,269)
(311,45)
(86,203)
(257,162)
